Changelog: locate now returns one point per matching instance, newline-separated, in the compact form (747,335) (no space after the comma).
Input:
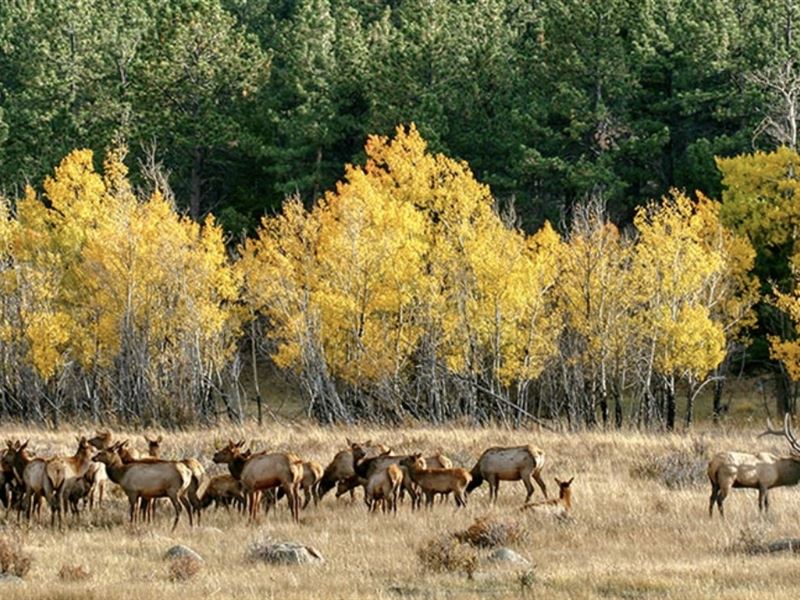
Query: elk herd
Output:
(255,481)
(259,480)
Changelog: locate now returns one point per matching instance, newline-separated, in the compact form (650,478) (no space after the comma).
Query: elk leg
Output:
(528,487)
(188,506)
(723,492)
(177,506)
(307,497)
(494,487)
(712,499)
(540,482)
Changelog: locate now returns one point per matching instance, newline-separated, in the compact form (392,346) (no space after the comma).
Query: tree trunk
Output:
(196,182)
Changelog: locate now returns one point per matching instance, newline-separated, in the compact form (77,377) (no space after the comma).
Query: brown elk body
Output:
(64,471)
(382,488)
(263,471)
(147,480)
(509,464)
(762,471)
(224,490)
(342,467)
(438,480)
(29,474)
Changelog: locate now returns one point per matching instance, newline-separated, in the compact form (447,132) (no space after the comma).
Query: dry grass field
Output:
(639,527)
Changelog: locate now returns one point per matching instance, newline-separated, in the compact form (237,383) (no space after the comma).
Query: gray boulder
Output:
(8,578)
(181,551)
(284,553)
(506,555)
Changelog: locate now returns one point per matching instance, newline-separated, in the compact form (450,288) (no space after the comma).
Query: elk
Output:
(762,471)
(365,467)
(224,490)
(147,480)
(62,471)
(509,464)
(263,471)
(438,480)
(199,478)
(562,505)
(342,467)
(153,446)
(382,487)
(30,473)
(312,473)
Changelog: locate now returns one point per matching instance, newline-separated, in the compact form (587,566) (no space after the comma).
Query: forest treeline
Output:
(406,292)
(245,102)
(594,211)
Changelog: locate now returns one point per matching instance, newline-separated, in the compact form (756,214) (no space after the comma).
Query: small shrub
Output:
(183,568)
(679,469)
(74,573)
(487,532)
(448,554)
(13,559)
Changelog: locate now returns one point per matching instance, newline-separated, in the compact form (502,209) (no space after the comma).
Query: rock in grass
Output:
(8,578)
(181,551)
(507,555)
(284,553)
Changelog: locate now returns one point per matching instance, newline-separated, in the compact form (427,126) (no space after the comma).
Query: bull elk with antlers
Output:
(762,471)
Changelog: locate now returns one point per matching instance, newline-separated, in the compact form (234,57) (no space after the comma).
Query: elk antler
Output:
(790,437)
(785,433)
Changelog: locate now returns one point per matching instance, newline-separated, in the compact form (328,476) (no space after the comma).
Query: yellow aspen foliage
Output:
(407,246)
(278,267)
(97,269)
(761,195)
(595,290)
(672,267)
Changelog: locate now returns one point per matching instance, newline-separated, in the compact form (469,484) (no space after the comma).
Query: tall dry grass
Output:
(639,527)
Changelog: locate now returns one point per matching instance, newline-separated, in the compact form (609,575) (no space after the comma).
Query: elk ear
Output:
(349,441)
(571,479)
(158,439)
(23,446)
(558,481)
(240,444)
(367,443)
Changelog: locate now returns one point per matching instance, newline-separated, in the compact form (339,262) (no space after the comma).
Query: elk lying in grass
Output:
(342,467)
(263,471)
(438,480)
(762,471)
(562,505)
(382,488)
(509,464)
(147,480)
(64,471)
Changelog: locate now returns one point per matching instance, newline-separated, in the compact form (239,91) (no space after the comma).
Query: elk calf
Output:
(562,505)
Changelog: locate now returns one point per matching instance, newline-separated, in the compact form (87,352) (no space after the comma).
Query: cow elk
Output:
(63,471)
(438,480)
(762,471)
(382,488)
(509,464)
(263,471)
(148,480)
